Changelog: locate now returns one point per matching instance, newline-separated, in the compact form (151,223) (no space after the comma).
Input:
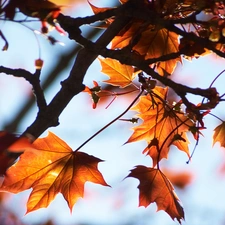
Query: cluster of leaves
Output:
(148,39)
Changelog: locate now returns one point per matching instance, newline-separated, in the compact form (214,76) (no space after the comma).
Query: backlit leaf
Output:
(52,168)
(152,43)
(156,43)
(162,125)
(219,134)
(155,187)
(120,74)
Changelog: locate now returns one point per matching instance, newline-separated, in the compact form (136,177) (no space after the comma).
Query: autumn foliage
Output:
(142,43)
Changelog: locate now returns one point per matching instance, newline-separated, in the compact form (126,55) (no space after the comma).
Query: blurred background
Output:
(200,184)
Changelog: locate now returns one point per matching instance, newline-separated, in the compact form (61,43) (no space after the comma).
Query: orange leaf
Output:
(161,127)
(155,187)
(50,168)
(219,134)
(156,43)
(152,43)
(120,74)
(124,38)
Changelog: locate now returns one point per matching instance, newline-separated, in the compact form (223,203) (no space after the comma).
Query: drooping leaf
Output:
(52,167)
(219,134)
(120,75)
(162,125)
(10,145)
(155,187)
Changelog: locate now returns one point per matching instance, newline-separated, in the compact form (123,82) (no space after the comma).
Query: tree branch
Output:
(74,83)
(33,79)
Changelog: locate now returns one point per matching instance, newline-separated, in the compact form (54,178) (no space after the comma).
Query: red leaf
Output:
(10,146)
(155,187)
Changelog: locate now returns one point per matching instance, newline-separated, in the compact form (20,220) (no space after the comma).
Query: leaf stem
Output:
(211,114)
(166,139)
(111,122)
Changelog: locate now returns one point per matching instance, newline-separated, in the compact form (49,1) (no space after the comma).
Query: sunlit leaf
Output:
(162,126)
(155,43)
(120,74)
(155,187)
(152,43)
(219,134)
(52,168)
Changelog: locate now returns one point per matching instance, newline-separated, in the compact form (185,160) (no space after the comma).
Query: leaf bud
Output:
(39,63)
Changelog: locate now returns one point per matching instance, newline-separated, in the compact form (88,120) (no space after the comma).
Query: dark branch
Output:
(74,83)
(33,79)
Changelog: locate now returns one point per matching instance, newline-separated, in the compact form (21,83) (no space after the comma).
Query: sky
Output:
(203,200)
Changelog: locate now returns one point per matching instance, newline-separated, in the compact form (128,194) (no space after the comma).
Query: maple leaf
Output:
(162,125)
(152,43)
(156,43)
(155,187)
(52,167)
(120,74)
(219,134)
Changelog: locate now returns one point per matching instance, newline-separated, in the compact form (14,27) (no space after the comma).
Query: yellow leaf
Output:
(219,134)
(120,74)
(51,168)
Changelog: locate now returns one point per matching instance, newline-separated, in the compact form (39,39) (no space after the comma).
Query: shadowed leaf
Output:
(155,187)
(10,145)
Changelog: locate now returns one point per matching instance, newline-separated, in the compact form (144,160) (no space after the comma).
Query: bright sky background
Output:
(203,200)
